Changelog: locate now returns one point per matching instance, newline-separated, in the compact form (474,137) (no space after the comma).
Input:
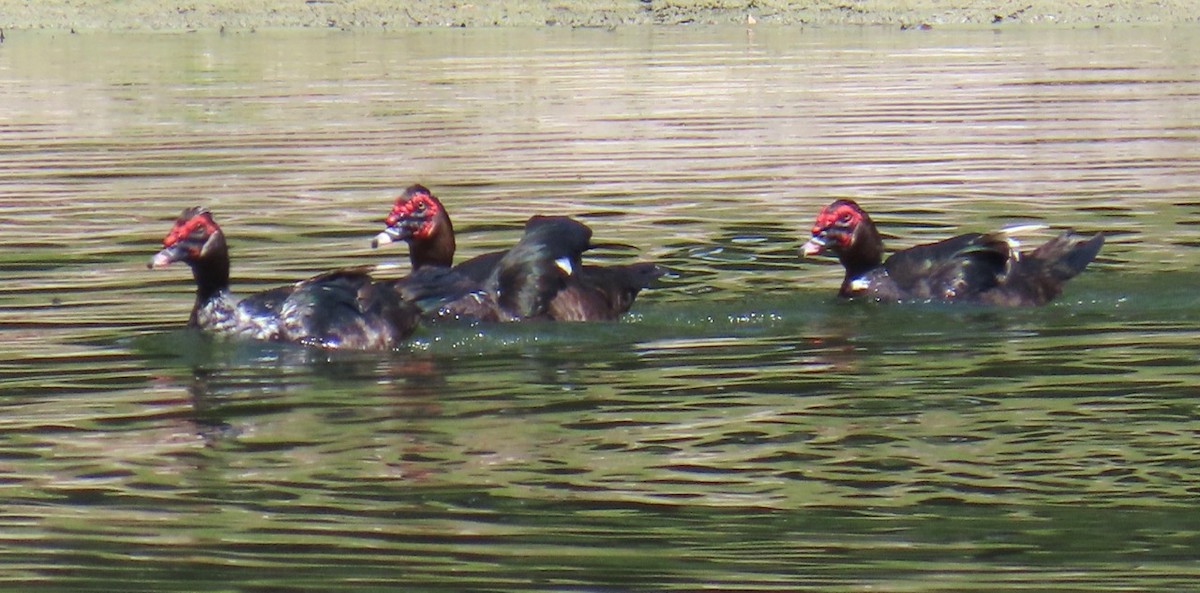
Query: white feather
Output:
(564,264)
(1014,246)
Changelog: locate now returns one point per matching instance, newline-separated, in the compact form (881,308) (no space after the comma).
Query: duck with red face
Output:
(974,267)
(338,309)
(544,269)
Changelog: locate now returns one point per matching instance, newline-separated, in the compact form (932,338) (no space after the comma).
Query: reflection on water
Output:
(740,430)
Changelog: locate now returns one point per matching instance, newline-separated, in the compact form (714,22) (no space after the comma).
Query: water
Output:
(741,430)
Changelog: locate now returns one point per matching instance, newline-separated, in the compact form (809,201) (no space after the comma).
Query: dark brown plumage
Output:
(975,267)
(338,309)
(541,277)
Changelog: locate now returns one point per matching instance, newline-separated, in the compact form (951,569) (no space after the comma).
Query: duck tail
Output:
(1038,276)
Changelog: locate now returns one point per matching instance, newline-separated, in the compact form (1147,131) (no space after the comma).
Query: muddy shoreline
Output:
(247,15)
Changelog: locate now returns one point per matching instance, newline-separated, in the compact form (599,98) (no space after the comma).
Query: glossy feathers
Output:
(338,309)
(975,267)
(541,277)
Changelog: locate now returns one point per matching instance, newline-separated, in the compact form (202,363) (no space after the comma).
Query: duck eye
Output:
(420,207)
(844,218)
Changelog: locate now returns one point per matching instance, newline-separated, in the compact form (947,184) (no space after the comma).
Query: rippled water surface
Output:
(741,430)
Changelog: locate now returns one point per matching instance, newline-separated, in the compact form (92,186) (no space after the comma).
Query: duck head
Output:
(838,228)
(420,219)
(194,239)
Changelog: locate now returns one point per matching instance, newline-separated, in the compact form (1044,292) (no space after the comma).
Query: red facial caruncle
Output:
(188,238)
(838,214)
(420,207)
(835,228)
(840,217)
(197,226)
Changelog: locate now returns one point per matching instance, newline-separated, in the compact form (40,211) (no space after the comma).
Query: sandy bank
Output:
(83,15)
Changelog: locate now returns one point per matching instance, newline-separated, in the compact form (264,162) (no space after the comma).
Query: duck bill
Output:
(381,239)
(166,257)
(813,247)
(389,235)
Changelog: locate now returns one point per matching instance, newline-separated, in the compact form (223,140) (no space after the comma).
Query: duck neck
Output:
(212,276)
(435,250)
(865,252)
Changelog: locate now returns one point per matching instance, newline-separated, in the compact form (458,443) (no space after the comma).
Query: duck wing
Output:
(957,268)
(602,293)
(1038,276)
(443,294)
(346,309)
(537,268)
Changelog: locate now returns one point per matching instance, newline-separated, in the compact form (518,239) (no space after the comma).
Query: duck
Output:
(984,268)
(420,219)
(339,309)
(541,277)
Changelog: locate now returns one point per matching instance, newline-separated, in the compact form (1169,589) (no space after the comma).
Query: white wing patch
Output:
(564,264)
(860,284)
(1014,246)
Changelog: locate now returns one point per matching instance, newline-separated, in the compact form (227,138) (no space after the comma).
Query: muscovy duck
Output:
(976,267)
(539,278)
(338,309)
(419,218)
(543,277)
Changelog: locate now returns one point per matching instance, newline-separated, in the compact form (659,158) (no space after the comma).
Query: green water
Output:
(741,430)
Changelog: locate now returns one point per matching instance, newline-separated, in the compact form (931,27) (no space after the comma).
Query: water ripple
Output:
(740,430)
